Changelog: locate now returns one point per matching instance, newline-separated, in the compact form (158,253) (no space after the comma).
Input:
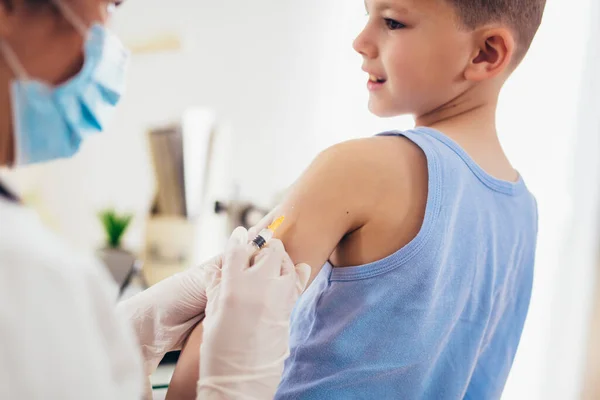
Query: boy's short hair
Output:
(522,16)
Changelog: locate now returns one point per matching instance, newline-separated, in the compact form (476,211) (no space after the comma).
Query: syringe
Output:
(265,235)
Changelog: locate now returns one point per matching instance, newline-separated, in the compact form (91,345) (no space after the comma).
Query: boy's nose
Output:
(364,46)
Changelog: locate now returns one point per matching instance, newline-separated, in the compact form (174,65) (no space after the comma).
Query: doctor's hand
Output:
(246,329)
(164,315)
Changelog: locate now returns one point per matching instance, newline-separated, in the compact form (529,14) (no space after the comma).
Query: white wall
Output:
(575,284)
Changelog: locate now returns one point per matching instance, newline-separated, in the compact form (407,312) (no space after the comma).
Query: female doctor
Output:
(61,335)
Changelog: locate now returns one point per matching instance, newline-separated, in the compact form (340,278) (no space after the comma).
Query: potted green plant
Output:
(118,260)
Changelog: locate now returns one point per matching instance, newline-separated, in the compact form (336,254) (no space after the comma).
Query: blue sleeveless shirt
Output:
(439,319)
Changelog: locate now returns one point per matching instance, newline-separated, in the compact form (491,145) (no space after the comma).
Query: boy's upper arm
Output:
(332,198)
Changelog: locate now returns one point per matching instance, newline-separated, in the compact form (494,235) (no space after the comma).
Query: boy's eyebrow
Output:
(388,5)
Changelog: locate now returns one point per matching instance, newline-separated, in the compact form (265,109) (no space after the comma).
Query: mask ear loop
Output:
(13,61)
(72,17)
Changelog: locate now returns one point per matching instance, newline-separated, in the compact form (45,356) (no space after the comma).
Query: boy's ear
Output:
(493,54)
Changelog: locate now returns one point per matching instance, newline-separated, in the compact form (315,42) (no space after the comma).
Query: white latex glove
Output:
(164,315)
(246,329)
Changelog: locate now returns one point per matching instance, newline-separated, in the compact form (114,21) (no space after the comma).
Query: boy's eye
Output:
(393,25)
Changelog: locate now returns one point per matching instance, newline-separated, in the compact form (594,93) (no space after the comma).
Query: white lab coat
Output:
(60,337)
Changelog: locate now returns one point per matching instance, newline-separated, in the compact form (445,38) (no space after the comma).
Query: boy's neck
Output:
(470,114)
(470,120)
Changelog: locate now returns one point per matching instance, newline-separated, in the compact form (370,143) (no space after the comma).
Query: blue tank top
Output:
(439,319)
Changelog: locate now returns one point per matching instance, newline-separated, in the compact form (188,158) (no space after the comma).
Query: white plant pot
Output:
(119,263)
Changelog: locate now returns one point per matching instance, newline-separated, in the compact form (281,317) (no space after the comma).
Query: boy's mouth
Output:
(375,82)
(376,79)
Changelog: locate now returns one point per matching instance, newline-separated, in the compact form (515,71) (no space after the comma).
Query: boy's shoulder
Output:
(376,158)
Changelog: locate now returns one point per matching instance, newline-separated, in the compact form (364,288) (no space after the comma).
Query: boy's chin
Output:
(382,110)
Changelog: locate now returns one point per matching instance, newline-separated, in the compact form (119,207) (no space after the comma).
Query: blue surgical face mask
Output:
(50,122)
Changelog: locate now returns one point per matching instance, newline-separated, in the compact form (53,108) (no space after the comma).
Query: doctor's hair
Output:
(523,17)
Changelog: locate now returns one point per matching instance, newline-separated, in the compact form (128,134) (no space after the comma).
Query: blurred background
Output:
(256,89)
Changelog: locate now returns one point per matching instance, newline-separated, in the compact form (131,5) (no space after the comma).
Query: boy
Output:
(438,226)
